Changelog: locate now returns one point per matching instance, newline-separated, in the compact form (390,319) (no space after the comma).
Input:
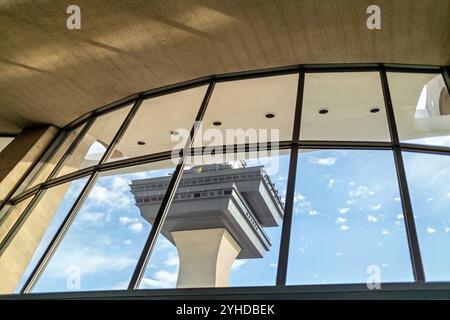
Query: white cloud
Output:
(89,261)
(273,265)
(429,199)
(331,183)
(384,232)
(124,220)
(313,213)
(237,264)
(375,207)
(339,254)
(112,197)
(344,227)
(323,161)
(372,219)
(163,243)
(172,260)
(299,197)
(343,210)
(91,216)
(350,202)
(351,183)
(341,220)
(447,229)
(133,223)
(128,241)
(397,199)
(301,204)
(400,216)
(104,240)
(160,279)
(136,227)
(120,183)
(431,230)
(360,191)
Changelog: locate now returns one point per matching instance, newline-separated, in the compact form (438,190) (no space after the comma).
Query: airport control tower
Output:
(218,215)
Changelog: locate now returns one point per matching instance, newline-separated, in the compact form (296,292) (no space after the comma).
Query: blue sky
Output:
(429,184)
(347,216)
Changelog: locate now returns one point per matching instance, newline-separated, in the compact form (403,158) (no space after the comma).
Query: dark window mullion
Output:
(283,256)
(411,232)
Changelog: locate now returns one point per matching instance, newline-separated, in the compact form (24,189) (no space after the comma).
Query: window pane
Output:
(9,215)
(155,126)
(29,242)
(428,181)
(344,106)
(250,111)
(347,217)
(10,272)
(50,164)
(422,108)
(224,225)
(56,202)
(93,145)
(105,240)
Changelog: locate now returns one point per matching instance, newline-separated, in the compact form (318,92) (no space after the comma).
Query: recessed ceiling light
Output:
(323,111)
(374,110)
(141,143)
(217,123)
(174,132)
(270,115)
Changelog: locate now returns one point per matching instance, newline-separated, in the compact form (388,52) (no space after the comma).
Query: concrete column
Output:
(206,257)
(21,154)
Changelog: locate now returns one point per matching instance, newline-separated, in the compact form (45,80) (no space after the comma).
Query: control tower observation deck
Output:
(217,215)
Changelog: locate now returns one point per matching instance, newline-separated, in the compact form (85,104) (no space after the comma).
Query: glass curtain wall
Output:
(113,205)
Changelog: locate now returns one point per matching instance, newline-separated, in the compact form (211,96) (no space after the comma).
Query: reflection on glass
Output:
(422,108)
(9,215)
(428,178)
(28,244)
(10,268)
(94,143)
(53,160)
(343,107)
(250,111)
(347,221)
(102,245)
(224,225)
(57,202)
(161,124)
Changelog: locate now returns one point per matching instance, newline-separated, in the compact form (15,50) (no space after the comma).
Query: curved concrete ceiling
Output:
(49,74)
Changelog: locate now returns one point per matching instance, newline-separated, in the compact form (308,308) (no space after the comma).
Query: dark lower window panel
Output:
(389,291)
